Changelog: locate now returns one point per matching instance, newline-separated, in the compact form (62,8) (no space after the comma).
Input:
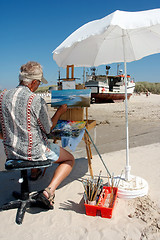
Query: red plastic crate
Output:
(106,212)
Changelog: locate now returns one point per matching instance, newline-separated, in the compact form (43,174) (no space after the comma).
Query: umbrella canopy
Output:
(119,37)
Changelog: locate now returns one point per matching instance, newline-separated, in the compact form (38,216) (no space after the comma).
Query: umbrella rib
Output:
(156,33)
(150,29)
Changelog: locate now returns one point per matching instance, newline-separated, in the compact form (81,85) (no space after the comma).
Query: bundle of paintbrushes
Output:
(92,189)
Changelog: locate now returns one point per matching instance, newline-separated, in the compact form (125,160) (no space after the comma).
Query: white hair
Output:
(25,81)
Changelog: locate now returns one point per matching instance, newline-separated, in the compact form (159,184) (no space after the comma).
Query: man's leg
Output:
(66,163)
(35,174)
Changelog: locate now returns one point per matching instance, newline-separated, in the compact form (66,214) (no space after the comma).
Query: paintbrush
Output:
(119,179)
(98,189)
(108,180)
(99,177)
(112,192)
(94,187)
(84,185)
(100,197)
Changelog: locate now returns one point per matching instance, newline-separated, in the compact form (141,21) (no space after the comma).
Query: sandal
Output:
(45,202)
(35,175)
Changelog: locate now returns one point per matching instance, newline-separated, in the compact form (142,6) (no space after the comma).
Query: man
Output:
(25,123)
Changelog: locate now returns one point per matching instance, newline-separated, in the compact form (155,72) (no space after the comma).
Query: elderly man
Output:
(25,123)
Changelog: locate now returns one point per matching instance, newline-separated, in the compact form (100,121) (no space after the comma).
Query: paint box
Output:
(103,207)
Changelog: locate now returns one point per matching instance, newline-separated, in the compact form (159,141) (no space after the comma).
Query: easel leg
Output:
(89,154)
(89,146)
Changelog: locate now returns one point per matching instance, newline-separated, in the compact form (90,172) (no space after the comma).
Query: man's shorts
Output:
(52,152)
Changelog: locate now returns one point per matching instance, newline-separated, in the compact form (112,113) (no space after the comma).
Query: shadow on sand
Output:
(9,183)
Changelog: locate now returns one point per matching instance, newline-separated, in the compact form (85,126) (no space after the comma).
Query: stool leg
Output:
(24,185)
(20,212)
(11,205)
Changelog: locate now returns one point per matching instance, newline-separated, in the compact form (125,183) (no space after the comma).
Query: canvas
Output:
(71,97)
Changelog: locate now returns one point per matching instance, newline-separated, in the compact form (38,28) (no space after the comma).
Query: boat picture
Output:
(109,88)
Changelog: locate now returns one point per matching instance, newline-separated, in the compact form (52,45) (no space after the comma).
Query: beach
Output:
(133,219)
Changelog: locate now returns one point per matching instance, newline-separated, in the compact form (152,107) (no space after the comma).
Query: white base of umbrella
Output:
(134,187)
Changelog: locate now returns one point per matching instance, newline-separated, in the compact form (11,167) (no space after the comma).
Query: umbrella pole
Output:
(84,75)
(127,167)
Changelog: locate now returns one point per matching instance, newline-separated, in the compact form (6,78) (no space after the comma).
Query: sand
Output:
(132,219)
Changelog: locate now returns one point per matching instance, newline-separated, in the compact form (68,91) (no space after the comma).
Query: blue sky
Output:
(31,30)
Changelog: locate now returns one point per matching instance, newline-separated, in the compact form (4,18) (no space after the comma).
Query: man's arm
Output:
(62,109)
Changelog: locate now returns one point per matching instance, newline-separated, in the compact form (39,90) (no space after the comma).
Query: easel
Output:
(77,114)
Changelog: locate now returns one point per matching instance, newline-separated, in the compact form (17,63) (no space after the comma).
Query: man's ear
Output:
(31,85)
(34,81)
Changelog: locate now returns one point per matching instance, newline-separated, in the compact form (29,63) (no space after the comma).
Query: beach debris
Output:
(146,210)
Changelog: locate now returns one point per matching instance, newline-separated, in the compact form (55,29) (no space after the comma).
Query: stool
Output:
(24,198)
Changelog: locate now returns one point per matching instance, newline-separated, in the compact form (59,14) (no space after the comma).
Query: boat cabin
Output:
(118,81)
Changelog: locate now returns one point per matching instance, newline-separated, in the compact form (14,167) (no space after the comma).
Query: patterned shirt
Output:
(24,122)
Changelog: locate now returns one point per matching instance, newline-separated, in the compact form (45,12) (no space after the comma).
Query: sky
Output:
(31,30)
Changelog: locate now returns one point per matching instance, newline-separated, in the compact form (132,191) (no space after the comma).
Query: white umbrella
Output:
(118,37)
